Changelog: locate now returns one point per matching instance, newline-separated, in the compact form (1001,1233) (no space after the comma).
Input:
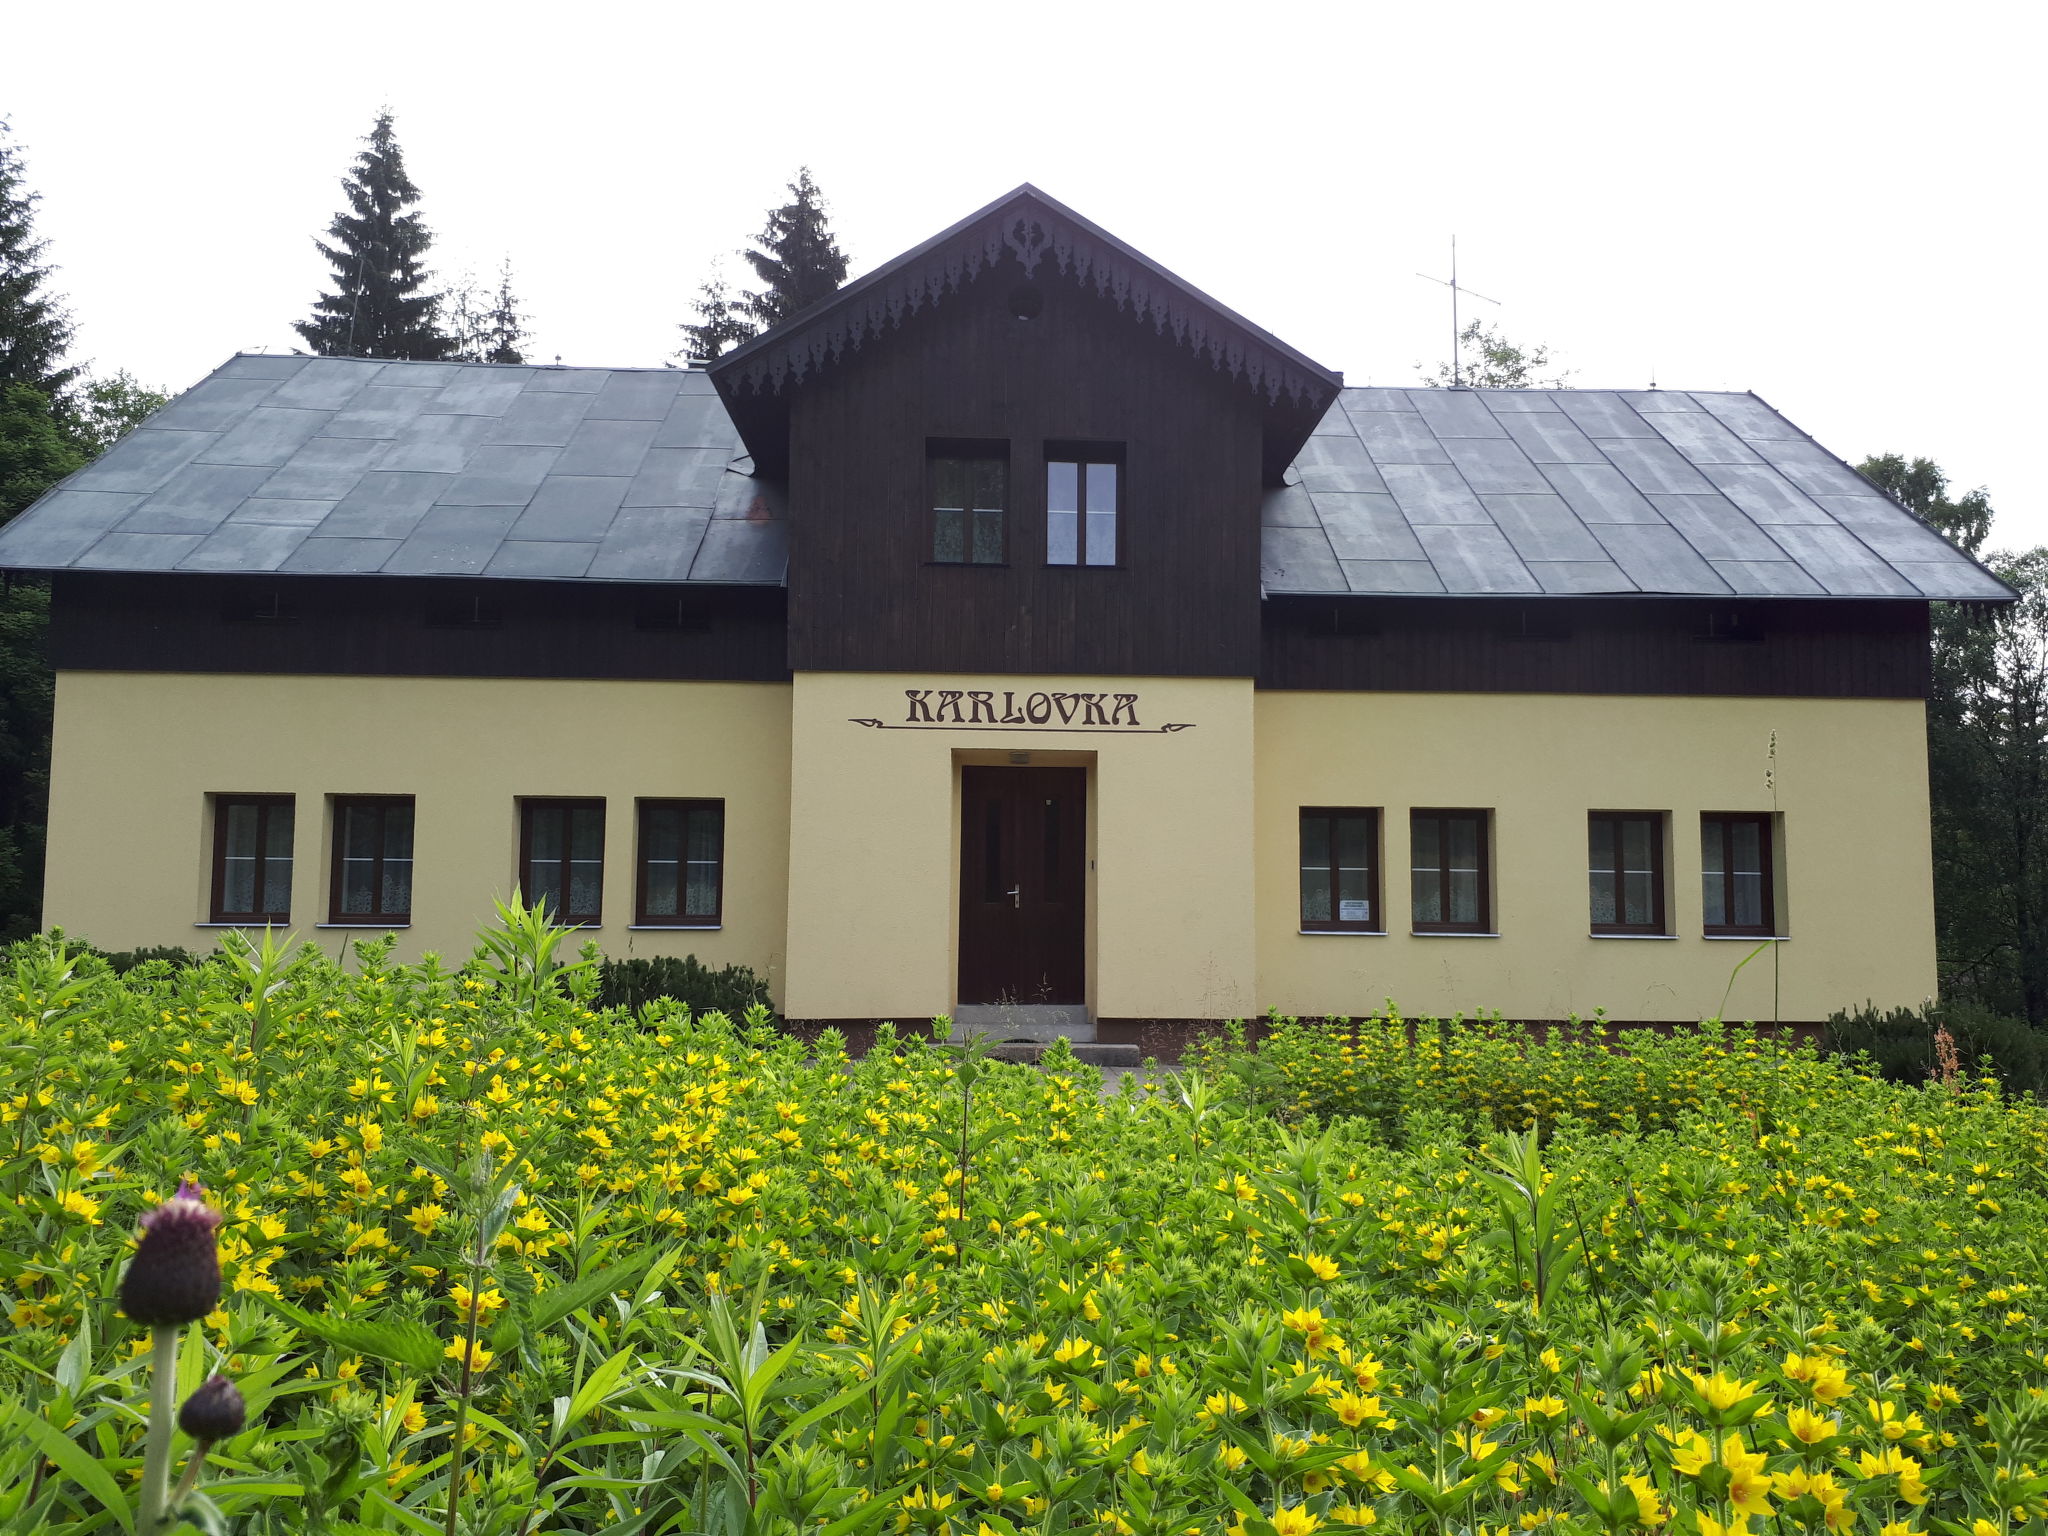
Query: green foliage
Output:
(35,450)
(730,989)
(1488,360)
(1921,486)
(796,260)
(1901,1043)
(109,409)
(501,1262)
(377,308)
(27,700)
(35,328)
(1424,1078)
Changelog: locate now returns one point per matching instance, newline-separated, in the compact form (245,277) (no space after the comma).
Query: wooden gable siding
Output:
(409,627)
(1782,648)
(863,593)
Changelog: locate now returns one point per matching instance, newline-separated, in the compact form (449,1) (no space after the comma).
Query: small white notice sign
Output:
(1354,911)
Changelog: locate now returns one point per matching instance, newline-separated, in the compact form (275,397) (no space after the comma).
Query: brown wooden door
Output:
(1022,844)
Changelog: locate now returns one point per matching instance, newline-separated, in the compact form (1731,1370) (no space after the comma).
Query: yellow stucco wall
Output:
(874,838)
(1856,893)
(137,754)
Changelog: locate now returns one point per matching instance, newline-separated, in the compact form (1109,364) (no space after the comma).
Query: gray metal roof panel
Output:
(1366,527)
(651,543)
(1582,577)
(197,499)
(1496,466)
(1476,559)
(1433,493)
(1299,560)
(125,551)
(149,457)
(745,550)
(1658,559)
(1416,577)
(244,547)
(336,465)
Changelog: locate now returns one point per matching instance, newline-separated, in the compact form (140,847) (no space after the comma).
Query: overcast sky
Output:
(1836,206)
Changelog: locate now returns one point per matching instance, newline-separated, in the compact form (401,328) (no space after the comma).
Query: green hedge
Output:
(730,990)
(1900,1042)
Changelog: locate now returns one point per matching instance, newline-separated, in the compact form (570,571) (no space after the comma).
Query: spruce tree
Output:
(488,327)
(377,308)
(35,328)
(798,262)
(720,323)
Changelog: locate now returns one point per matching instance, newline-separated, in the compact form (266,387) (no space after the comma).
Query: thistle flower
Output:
(214,1412)
(174,1277)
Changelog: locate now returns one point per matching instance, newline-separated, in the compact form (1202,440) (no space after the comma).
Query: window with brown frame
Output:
(1083,496)
(1448,880)
(252,859)
(969,494)
(681,874)
(372,878)
(1625,863)
(1340,871)
(561,858)
(1736,875)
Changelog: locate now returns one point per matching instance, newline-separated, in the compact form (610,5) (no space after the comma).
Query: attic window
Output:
(969,485)
(1083,489)
(464,613)
(672,615)
(269,608)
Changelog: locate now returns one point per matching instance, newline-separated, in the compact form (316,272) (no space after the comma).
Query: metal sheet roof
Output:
(327,466)
(338,466)
(1480,492)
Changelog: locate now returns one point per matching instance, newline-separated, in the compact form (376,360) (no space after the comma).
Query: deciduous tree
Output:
(1488,360)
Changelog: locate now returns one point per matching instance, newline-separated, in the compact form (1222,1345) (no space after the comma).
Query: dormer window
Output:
(969,494)
(1082,487)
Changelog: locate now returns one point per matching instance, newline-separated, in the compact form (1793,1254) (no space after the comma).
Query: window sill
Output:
(674,927)
(968,565)
(1652,936)
(374,927)
(1417,934)
(268,922)
(1342,933)
(1747,938)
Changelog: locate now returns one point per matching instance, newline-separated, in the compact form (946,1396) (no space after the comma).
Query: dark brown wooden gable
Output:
(1834,648)
(863,593)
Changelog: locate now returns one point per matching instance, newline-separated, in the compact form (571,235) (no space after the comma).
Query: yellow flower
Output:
(1354,1411)
(1357,1516)
(1140,1465)
(1322,1267)
(1294,1520)
(1809,1427)
(479,1357)
(1648,1508)
(79,1204)
(1709,1526)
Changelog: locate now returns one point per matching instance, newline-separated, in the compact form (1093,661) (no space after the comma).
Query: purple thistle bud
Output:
(174,1277)
(215,1412)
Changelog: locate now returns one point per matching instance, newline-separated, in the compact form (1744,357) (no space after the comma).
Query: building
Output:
(1018,626)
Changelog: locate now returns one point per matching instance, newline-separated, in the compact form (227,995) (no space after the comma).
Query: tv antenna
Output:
(1456,379)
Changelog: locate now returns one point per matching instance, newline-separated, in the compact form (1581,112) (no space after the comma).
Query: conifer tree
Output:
(377,308)
(488,327)
(798,262)
(35,328)
(797,259)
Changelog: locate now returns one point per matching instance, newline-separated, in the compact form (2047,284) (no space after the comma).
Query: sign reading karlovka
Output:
(1005,709)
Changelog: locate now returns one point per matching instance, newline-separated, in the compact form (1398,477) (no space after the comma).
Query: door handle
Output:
(1016,895)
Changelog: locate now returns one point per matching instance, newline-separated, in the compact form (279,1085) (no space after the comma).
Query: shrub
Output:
(1900,1042)
(122,961)
(730,990)
(1502,1076)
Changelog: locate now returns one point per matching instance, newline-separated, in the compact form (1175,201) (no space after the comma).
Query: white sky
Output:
(1835,205)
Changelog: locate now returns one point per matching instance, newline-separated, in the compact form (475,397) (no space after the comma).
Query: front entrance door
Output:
(1022,843)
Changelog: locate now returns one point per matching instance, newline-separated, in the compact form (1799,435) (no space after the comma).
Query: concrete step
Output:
(1039,1022)
(1030,1053)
